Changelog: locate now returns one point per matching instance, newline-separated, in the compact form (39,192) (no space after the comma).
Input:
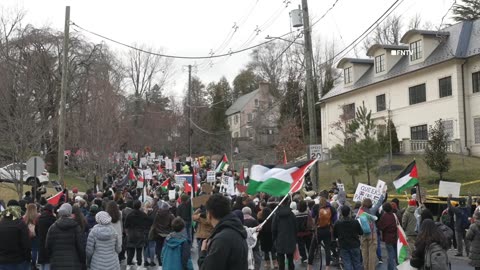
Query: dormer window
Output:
(380,63)
(416,50)
(347,75)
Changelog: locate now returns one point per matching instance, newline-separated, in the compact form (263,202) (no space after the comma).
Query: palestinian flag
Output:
(140,181)
(55,199)
(278,181)
(222,166)
(165,184)
(402,245)
(407,178)
(131,175)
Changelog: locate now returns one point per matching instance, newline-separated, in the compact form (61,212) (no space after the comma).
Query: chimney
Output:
(264,88)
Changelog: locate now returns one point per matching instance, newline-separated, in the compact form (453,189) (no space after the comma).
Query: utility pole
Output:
(63,97)
(190,111)
(312,124)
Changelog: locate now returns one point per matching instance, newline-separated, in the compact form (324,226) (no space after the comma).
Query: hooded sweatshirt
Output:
(103,246)
(409,221)
(63,252)
(227,248)
(284,230)
(176,244)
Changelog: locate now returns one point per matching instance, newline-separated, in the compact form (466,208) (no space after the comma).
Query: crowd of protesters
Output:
(119,227)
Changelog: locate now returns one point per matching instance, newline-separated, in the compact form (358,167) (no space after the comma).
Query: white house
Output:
(254,116)
(435,74)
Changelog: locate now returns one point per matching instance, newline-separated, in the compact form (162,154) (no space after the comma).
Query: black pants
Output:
(281,261)
(325,236)
(131,252)
(304,245)
(158,249)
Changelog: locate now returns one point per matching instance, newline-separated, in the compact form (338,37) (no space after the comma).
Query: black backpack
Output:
(436,258)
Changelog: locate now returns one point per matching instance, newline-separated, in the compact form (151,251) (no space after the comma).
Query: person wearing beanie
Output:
(91,216)
(103,244)
(45,221)
(409,222)
(15,250)
(63,253)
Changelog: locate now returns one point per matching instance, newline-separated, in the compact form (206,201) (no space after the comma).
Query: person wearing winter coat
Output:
(116,215)
(388,226)
(463,211)
(226,248)
(265,238)
(45,221)
(161,228)
(250,222)
(204,229)
(65,242)
(348,230)
(176,249)
(103,244)
(15,250)
(409,222)
(284,234)
(429,233)
(304,229)
(473,235)
(136,226)
(184,211)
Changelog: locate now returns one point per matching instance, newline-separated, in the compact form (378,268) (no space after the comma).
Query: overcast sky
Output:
(194,27)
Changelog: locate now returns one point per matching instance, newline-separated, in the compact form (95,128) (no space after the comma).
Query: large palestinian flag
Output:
(222,166)
(408,178)
(402,245)
(278,181)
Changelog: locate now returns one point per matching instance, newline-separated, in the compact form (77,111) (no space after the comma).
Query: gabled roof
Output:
(462,42)
(240,103)
(354,61)
(412,32)
(375,47)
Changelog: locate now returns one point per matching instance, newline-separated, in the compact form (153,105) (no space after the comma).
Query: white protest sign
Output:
(168,164)
(445,188)
(180,180)
(143,161)
(366,191)
(230,186)
(148,174)
(152,155)
(341,187)
(171,194)
(245,172)
(211,176)
(381,185)
(140,183)
(214,164)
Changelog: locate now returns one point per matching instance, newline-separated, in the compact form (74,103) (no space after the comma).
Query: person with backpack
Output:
(430,248)
(473,235)
(176,249)
(461,223)
(325,216)
(347,230)
(367,217)
(304,230)
(388,227)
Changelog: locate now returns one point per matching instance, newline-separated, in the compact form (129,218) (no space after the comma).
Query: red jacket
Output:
(388,225)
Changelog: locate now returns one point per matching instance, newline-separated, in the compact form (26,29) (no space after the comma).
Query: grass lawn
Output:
(73,180)
(463,169)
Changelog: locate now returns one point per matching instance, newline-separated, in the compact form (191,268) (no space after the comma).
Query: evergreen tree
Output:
(469,10)
(436,151)
(245,82)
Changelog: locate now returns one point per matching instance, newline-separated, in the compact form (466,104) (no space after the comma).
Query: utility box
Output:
(296,17)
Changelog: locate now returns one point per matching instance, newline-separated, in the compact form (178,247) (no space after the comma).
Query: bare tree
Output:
(389,32)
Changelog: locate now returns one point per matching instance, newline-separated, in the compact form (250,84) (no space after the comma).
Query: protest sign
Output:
(445,188)
(207,188)
(168,164)
(214,164)
(148,174)
(172,194)
(152,155)
(381,185)
(341,187)
(245,172)
(366,191)
(200,200)
(211,177)
(180,180)
(143,161)
(230,186)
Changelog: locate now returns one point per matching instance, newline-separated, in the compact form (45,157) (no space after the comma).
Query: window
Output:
(349,111)
(476,127)
(380,63)
(417,94)
(235,119)
(256,103)
(249,117)
(381,103)
(416,50)
(476,82)
(448,128)
(419,133)
(347,75)
(445,86)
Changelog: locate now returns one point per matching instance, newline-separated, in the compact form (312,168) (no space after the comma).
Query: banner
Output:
(172,194)
(366,191)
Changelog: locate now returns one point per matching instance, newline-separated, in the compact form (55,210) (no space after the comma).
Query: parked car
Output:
(11,173)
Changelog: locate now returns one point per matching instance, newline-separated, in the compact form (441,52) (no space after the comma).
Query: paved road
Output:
(458,263)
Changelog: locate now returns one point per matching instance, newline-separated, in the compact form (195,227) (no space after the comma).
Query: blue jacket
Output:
(176,252)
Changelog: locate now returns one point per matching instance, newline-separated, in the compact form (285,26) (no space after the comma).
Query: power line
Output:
(169,55)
